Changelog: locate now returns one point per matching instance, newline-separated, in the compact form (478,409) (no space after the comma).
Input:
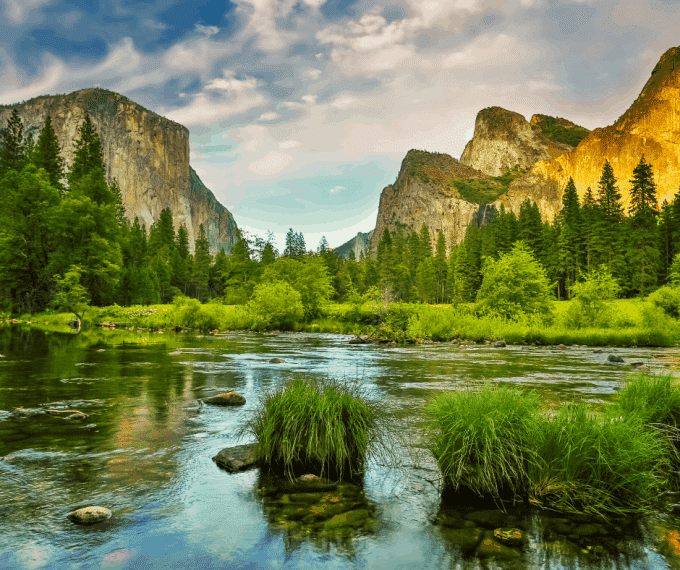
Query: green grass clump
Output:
(654,399)
(480,439)
(321,426)
(584,462)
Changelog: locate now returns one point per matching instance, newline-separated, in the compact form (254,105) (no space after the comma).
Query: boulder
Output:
(90,515)
(276,361)
(238,458)
(499,344)
(226,399)
(467,539)
(489,548)
(614,358)
(510,536)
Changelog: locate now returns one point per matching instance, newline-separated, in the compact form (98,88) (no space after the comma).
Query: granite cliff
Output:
(429,189)
(651,126)
(359,244)
(148,155)
(504,139)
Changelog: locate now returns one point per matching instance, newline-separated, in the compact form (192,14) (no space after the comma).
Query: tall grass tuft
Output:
(587,463)
(480,439)
(321,426)
(654,399)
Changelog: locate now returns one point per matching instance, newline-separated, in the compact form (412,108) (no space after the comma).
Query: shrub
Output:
(480,438)
(515,285)
(667,299)
(318,425)
(654,399)
(275,305)
(594,298)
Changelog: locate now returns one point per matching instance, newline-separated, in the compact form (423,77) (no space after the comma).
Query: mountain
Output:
(650,126)
(358,244)
(148,155)
(504,139)
(437,190)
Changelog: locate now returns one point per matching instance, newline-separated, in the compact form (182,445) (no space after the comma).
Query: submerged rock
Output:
(467,539)
(90,515)
(226,399)
(238,458)
(614,358)
(510,536)
(488,519)
(499,344)
(489,548)
(276,361)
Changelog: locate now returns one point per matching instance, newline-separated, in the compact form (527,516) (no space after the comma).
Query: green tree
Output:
(589,217)
(46,154)
(276,305)
(529,225)
(594,297)
(441,268)
(570,238)
(12,147)
(202,262)
(27,240)
(71,295)
(515,285)
(643,251)
(87,156)
(426,280)
(608,227)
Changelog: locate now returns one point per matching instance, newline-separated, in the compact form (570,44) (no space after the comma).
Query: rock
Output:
(276,361)
(238,458)
(68,414)
(561,346)
(349,519)
(510,536)
(489,548)
(226,399)
(314,483)
(597,351)
(614,358)
(586,530)
(148,156)
(499,344)
(467,539)
(90,515)
(637,364)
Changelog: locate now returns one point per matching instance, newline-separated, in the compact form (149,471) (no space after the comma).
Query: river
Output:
(145,452)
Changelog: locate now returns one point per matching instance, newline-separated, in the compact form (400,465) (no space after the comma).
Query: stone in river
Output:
(510,536)
(614,358)
(489,548)
(226,399)
(238,458)
(276,361)
(499,344)
(90,515)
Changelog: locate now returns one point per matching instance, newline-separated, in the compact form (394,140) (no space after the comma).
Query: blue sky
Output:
(300,111)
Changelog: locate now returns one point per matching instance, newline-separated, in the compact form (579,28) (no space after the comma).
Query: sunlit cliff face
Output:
(651,126)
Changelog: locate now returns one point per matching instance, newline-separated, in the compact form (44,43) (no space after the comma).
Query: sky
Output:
(301,111)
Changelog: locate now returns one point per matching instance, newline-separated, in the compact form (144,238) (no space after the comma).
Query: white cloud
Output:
(502,50)
(153,25)
(311,99)
(336,189)
(292,105)
(273,163)
(207,30)
(261,22)
(268,116)
(344,101)
(312,73)
(290,144)
(18,11)
(229,83)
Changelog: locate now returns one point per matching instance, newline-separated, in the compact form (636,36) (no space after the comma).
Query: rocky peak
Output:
(504,140)
(650,126)
(148,155)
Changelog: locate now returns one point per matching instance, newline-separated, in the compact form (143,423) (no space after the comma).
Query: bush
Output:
(275,305)
(480,438)
(319,426)
(515,285)
(594,297)
(585,463)
(667,299)
(654,399)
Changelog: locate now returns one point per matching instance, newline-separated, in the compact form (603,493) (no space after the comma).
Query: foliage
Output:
(72,296)
(318,425)
(480,438)
(667,299)
(514,285)
(563,134)
(654,399)
(275,305)
(593,299)
(485,191)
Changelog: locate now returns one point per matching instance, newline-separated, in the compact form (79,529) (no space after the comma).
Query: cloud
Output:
(336,189)
(18,11)
(268,116)
(207,30)
(312,73)
(344,101)
(311,99)
(273,163)
(290,144)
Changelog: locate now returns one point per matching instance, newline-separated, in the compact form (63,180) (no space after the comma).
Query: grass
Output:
(498,443)
(321,426)
(480,438)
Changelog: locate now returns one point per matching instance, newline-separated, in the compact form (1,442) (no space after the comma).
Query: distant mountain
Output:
(360,244)
(148,155)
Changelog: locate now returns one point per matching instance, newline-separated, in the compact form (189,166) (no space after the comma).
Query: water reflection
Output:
(145,452)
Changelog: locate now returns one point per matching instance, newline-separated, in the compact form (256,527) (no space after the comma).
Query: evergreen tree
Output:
(589,216)
(529,225)
(643,252)
(665,241)
(46,154)
(300,245)
(415,252)
(467,272)
(608,227)
(323,246)
(425,242)
(202,262)
(182,241)
(87,157)
(441,268)
(570,239)
(12,149)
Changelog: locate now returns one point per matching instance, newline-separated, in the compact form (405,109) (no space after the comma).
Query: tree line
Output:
(60,231)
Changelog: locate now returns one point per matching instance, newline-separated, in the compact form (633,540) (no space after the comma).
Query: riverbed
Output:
(144,451)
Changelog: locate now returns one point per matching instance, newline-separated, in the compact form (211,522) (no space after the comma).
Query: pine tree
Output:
(589,215)
(665,241)
(643,251)
(608,227)
(441,268)
(12,151)
(529,225)
(570,240)
(425,242)
(46,154)
(87,157)
(202,262)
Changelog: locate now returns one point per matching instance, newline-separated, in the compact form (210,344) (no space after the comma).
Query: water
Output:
(145,452)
